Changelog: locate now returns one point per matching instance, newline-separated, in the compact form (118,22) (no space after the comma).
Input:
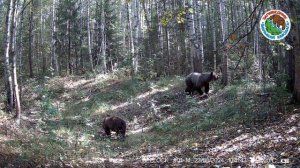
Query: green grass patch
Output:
(243,106)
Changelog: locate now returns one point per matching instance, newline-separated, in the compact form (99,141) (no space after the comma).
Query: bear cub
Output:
(195,81)
(116,124)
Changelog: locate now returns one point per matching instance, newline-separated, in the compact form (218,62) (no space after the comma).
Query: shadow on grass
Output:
(173,118)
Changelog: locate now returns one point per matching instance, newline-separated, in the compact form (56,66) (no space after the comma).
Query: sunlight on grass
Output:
(159,116)
(101,108)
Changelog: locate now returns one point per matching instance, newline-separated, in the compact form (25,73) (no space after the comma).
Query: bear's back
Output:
(114,123)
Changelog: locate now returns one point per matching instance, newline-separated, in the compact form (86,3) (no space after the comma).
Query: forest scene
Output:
(149,83)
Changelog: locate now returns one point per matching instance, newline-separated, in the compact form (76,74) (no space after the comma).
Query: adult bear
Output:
(195,81)
(115,124)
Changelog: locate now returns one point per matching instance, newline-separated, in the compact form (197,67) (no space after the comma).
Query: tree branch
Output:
(252,27)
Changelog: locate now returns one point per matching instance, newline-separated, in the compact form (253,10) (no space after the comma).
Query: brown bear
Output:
(195,81)
(115,124)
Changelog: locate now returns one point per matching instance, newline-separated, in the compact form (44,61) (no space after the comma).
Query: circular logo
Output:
(275,25)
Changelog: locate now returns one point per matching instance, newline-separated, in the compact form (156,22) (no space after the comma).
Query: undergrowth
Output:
(73,132)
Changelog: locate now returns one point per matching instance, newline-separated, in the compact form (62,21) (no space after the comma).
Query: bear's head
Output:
(214,76)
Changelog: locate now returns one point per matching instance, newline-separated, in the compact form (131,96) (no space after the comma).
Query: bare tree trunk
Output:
(8,76)
(54,60)
(224,28)
(296,43)
(137,34)
(81,36)
(44,67)
(20,53)
(103,35)
(89,38)
(200,36)
(14,67)
(196,56)
(167,44)
(69,69)
(256,48)
(30,52)
(148,25)
(214,35)
(131,41)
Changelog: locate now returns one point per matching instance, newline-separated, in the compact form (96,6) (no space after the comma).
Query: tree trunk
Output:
(7,69)
(89,38)
(200,36)
(214,36)
(20,54)
(167,43)
(131,42)
(256,51)
(30,52)
(14,69)
(296,44)
(69,65)
(137,34)
(224,27)
(54,60)
(103,43)
(44,67)
(81,37)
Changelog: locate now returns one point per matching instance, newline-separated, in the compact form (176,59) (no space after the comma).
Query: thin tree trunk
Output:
(103,35)
(81,37)
(167,44)
(256,49)
(54,60)
(8,76)
(131,41)
(14,68)
(30,52)
(192,32)
(69,67)
(224,34)
(214,17)
(44,68)
(20,54)
(200,36)
(89,38)
(137,34)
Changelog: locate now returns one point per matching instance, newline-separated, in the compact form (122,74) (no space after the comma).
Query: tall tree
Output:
(54,59)
(7,46)
(30,51)
(224,28)
(296,44)
(14,64)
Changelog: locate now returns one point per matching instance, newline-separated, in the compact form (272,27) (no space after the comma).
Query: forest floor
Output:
(240,125)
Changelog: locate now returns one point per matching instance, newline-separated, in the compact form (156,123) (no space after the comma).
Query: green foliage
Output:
(181,16)
(166,18)
(168,81)
(46,102)
(281,79)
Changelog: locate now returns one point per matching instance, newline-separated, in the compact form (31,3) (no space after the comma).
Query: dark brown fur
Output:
(115,124)
(195,81)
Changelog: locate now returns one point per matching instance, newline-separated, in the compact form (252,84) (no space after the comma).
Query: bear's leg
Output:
(189,87)
(107,131)
(188,90)
(206,85)
(199,90)
(122,134)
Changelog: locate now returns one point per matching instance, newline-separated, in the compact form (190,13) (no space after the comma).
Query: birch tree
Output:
(224,28)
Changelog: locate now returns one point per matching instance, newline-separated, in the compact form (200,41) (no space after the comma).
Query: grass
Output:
(242,107)
(72,132)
